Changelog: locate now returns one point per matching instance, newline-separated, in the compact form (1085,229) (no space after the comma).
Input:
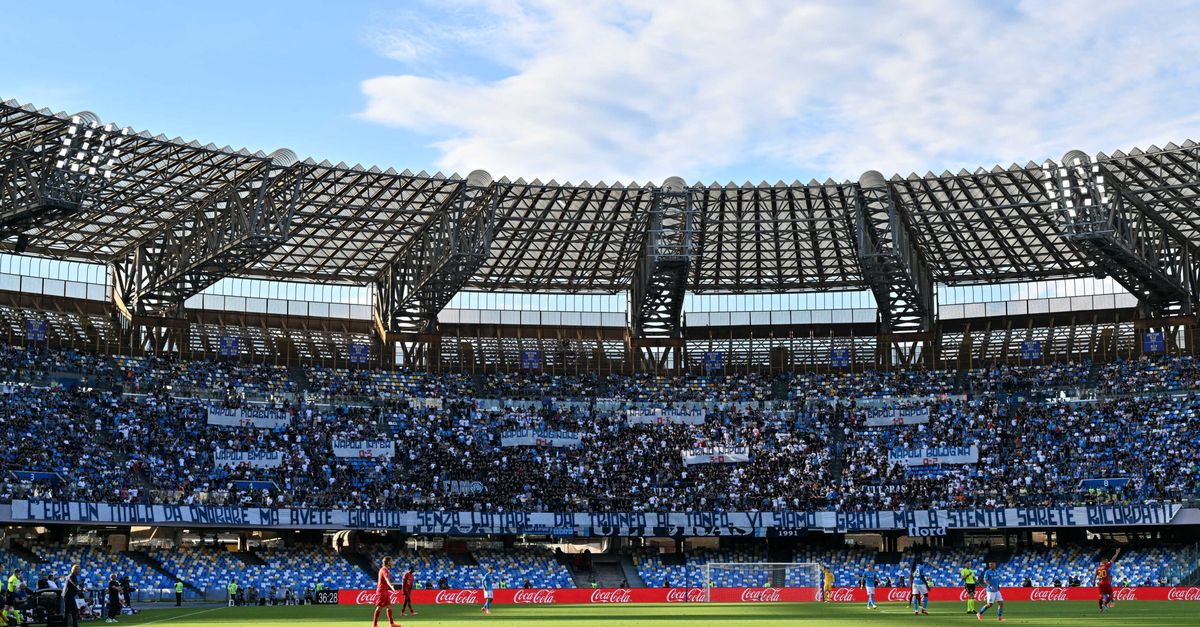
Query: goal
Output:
(761,575)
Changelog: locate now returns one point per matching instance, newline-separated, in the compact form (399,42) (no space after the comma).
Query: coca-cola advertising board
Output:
(553,596)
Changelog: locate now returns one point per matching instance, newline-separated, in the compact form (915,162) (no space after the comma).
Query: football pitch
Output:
(1158,613)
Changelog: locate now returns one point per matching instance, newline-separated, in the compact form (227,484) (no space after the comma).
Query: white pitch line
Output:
(167,620)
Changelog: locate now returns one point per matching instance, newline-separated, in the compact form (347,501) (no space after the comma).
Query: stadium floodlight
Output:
(86,155)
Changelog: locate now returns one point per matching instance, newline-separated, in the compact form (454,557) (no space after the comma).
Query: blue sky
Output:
(624,90)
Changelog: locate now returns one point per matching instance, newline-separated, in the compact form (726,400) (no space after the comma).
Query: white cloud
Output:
(590,90)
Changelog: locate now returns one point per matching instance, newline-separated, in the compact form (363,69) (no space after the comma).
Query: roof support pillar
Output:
(896,272)
(218,236)
(1125,238)
(668,252)
(438,260)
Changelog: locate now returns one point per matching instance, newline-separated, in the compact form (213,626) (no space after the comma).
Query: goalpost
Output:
(761,575)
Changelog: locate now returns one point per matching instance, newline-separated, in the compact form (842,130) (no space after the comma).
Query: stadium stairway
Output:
(362,561)
(780,389)
(836,438)
(999,555)
(463,559)
(145,560)
(299,378)
(23,552)
(630,571)
(250,558)
(960,381)
(607,570)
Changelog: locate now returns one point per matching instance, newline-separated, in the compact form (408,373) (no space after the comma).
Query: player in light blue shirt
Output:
(488,582)
(920,588)
(991,579)
(870,578)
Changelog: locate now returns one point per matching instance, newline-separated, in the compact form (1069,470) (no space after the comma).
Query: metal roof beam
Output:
(891,262)
(219,236)
(668,252)
(1124,238)
(439,259)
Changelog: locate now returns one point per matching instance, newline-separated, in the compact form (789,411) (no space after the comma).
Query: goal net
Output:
(762,575)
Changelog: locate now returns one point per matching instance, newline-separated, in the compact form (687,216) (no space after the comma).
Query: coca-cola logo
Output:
(622,595)
(368,597)
(1048,594)
(685,595)
(457,597)
(899,594)
(1183,594)
(841,595)
(760,595)
(542,596)
(980,595)
(1125,594)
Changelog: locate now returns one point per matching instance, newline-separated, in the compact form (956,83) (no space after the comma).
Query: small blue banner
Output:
(358,353)
(227,345)
(35,330)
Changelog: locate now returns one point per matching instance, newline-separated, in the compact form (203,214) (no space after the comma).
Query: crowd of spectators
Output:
(1006,378)
(1149,375)
(149,440)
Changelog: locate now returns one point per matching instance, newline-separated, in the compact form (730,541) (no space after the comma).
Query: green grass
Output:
(1157,613)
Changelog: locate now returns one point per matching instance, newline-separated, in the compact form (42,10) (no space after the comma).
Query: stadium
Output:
(237,385)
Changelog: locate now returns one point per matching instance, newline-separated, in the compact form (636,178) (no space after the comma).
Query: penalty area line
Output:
(167,620)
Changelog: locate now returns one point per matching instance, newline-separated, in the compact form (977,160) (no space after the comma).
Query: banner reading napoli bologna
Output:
(927,456)
(631,524)
(364,448)
(716,455)
(254,459)
(538,437)
(665,416)
(885,416)
(257,417)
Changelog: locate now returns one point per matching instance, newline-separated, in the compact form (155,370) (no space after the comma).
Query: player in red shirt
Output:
(383,594)
(1104,582)
(406,586)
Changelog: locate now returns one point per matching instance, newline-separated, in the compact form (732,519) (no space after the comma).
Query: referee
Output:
(968,577)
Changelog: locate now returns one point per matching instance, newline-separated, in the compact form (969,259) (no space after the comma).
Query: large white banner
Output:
(364,448)
(716,455)
(538,437)
(647,524)
(665,416)
(886,416)
(254,459)
(256,417)
(928,456)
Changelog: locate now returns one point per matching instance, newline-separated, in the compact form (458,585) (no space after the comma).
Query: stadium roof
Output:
(971,227)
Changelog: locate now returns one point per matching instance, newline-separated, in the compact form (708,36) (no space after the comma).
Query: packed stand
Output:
(95,444)
(743,388)
(1005,378)
(341,384)
(1147,375)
